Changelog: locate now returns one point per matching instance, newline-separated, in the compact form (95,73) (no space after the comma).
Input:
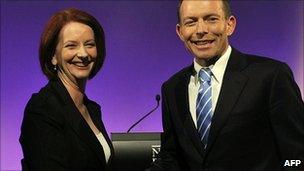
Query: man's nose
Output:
(201,28)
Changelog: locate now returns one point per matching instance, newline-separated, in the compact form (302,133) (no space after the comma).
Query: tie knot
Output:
(205,75)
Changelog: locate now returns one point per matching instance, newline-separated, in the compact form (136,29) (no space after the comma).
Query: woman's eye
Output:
(70,45)
(90,45)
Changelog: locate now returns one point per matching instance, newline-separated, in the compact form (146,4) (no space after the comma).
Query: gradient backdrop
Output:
(142,52)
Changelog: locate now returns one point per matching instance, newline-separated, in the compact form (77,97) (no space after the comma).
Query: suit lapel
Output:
(77,122)
(95,114)
(182,100)
(232,86)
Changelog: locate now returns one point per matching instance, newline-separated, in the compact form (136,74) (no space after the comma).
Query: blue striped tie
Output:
(204,105)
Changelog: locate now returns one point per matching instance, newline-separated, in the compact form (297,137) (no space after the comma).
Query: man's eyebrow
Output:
(211,15)
(206,16)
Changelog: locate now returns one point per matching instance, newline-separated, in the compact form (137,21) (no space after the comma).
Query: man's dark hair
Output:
(226,9)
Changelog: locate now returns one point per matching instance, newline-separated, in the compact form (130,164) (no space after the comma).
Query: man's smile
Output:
(204,43)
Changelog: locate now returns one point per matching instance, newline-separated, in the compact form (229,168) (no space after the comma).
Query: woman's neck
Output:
(76,89)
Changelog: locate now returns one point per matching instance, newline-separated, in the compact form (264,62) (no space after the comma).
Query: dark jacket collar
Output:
(78,123)
(232,86)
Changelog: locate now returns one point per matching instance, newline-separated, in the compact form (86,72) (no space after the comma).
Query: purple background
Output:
(142,52)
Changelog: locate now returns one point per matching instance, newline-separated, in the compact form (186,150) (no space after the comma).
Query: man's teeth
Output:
(203,42)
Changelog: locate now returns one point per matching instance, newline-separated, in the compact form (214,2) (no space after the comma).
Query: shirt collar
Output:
(217,69)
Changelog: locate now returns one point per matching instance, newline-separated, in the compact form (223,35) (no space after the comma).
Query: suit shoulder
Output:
(267,64)
(264,60)
(266,67)
(40,98)
(43,103)
(175,78)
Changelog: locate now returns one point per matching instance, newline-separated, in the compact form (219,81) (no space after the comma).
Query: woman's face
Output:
(76,52)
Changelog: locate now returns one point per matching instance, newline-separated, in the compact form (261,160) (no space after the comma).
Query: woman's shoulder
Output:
(43,97)
(44,103)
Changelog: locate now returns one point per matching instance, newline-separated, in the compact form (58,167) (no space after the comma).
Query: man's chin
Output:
(203,60)
(203,57)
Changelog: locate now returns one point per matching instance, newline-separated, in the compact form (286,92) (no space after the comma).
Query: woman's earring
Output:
(55,68)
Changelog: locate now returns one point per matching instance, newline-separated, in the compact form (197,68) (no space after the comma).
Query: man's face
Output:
(204,28)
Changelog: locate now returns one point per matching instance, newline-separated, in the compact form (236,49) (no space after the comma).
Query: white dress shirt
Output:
(218,70)
(105,146)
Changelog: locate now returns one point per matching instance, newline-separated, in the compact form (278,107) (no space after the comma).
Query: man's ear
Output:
(54,60)
(231,25)
(178,32)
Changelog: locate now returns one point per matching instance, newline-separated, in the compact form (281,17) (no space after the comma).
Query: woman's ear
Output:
(54,60)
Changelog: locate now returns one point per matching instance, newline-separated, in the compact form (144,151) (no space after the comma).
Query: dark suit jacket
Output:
(55,137)
(258,122)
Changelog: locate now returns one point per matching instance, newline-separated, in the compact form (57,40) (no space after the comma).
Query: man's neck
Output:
(210,61)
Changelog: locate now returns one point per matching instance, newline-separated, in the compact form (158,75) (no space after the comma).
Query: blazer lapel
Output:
(96,117)
(232,86)
(77,122)
(182,100)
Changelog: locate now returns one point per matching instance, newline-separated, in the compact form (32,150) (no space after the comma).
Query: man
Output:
(228,110)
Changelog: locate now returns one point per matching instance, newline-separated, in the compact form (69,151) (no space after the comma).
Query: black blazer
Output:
(55,137)
(258,122)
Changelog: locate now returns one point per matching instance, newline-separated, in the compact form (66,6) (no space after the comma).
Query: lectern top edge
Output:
(138,136)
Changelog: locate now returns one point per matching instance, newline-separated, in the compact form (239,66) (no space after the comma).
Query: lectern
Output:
(135,151)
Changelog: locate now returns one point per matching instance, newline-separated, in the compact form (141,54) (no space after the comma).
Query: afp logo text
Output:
(291,163)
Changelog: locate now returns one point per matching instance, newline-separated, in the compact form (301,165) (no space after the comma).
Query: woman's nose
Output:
(82,52)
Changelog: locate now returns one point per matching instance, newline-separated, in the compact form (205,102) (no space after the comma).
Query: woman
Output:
(62,128)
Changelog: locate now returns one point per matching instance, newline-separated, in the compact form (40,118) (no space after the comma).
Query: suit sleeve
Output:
(42,140)
(287,116)
(168,160)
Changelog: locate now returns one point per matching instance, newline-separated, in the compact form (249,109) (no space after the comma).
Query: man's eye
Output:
(189,23)
(212,19)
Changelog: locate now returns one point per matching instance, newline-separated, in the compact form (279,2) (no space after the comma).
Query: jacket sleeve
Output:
(42,140)
(287,116)
(168,160)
